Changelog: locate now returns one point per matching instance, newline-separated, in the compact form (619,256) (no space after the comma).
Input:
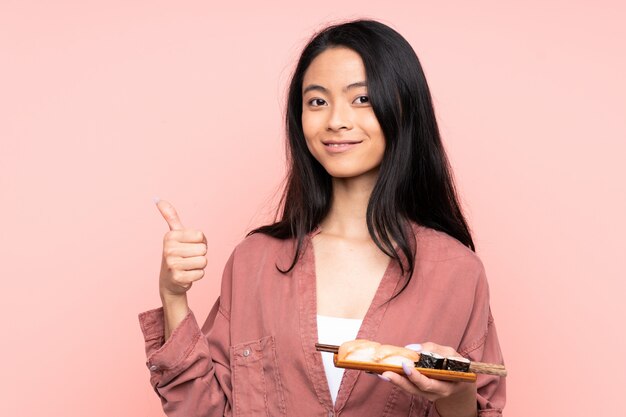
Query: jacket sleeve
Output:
(190,372)
(491,389)
(480,344)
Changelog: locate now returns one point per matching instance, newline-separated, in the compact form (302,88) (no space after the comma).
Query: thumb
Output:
(169,214)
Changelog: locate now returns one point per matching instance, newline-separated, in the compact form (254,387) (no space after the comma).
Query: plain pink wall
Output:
(104,105)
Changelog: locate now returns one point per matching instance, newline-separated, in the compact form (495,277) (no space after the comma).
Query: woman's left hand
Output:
(452,399)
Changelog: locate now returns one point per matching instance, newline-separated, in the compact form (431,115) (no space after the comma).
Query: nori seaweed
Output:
(429,361)
(457,366)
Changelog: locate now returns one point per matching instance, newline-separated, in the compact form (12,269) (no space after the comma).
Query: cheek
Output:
(370,123)
(306,130)
(306,125)
(309,128)
(376,133)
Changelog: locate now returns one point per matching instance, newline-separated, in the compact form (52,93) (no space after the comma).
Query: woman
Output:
(371,241)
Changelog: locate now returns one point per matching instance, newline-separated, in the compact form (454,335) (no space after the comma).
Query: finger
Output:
(422,382)
(195,275)
(185,278)
(185,250)
(405,384)
(170,215)
(417,384)
(429,346)
(179,265)
(196,262)
(445,351)
(185,236)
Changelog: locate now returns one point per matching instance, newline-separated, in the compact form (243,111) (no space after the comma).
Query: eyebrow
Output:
(318,87)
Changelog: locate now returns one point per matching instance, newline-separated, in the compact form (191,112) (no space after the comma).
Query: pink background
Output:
(104,105)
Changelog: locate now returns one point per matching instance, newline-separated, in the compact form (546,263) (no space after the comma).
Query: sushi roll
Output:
(457,364)
(430,360)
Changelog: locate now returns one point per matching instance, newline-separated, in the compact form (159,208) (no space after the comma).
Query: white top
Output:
(335,331)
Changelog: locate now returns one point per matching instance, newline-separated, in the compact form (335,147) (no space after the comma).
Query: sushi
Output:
(430,360)
(458,364)
(366,351)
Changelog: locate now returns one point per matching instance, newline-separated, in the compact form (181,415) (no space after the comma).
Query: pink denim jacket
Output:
(255,354)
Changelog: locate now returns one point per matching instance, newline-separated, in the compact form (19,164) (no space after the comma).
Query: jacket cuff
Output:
(152,324)
(165,356)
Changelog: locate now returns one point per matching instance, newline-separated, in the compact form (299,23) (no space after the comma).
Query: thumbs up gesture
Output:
(184,254)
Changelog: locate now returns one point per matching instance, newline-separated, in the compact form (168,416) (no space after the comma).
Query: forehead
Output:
(335,67)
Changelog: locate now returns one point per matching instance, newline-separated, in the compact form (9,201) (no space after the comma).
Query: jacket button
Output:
(246,353)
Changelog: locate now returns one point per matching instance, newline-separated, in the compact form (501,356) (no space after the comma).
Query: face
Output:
(338,120)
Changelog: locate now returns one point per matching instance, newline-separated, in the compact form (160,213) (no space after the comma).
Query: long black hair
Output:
(414,181)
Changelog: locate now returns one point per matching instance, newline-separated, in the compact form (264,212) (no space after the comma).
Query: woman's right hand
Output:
(184,255)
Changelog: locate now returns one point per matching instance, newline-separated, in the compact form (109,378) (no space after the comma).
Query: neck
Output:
(347,215)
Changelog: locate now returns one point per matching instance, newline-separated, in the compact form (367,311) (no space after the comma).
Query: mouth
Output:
(338,144)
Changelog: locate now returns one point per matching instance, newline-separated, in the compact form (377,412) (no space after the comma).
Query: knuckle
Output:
(179,277)
(428,386)
(168,236)
(170,262)
(168,251)
(417,381)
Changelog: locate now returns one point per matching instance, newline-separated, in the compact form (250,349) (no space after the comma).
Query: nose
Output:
(340,117)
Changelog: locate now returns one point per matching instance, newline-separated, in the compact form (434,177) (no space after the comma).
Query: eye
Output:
(315,102)
(362,100)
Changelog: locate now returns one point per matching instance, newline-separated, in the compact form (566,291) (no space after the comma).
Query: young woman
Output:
(371,243)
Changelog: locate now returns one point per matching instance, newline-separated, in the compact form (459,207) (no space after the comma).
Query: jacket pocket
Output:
(257,388)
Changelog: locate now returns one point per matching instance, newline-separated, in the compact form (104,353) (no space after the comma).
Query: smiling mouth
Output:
(340,144)
(340,147)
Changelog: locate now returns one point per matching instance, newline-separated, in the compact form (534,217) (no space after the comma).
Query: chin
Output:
(351,172)
(341,172)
